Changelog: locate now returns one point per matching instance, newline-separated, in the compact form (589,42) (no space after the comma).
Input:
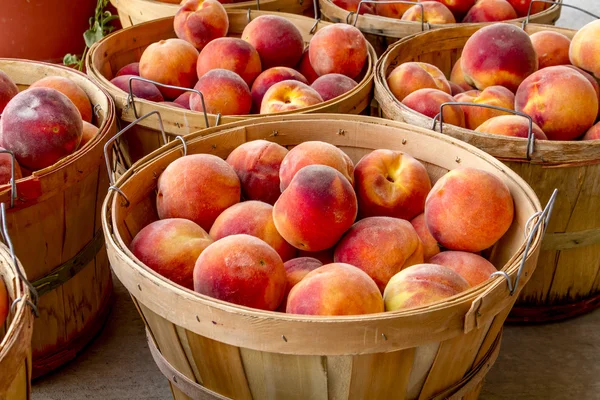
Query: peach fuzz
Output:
(316,209)
(143,90)
(4,300)
(305,68)
(184,100)
(431,11)
(390,10)
(422,285)
(391,183)
(6,169)
(593,133)
(498,55)
(253,218)
(560,100)
(472,267)
(70,89)
(585,48)
(295,270)
(257,164)
(287,96)
(171,247)
(338,49)
(129,69)
(428,103)
(224,93)
(277,40)
(311,153)
(511,125)
(490,11)
(243,270)
(40,126)
(457,77)
(380,246)
(522,7)
(412,76)
(352,6)
(197,187)
(552,48)
(8,90)
(335,289)
(430,245)
(331,86)
(267,79)
(469,210)
(88,133)
(201,21)
(232,54)
(498,96)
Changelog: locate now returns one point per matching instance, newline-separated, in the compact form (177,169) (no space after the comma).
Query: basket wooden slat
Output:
(566,282)
(442,350)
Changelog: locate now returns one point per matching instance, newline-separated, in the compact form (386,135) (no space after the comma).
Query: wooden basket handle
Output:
(558,3)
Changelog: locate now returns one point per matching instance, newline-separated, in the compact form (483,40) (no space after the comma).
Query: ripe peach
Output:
(288,95)
(325,256)
(233,54)
(335,289)
(311,153)
(490,11)
(511,125)
(267,79)
(330,86)
(171,247)
(585,48)
(184,100)
(352,6)
(458,7)
(422,285)
(498,55)
(257,165)
(170,62)
(430,245)
(277,40)
(338,49)
(380,246)
(197,187)
(4,303)
(457,77)
(560,100)
(431,11)
(472,267)
(224,92)
(456,89)
(8,90)
(522,7)
(593,133)
(316,209)
(70,89)
(89,132)
(129,69)
(40,126)
(201,21)
(143,90)
(390,10)
(241,269)
(411,76)
(552,48)
(590,79)
(469,209)
(6,170)
(498,96)
(305,68)
(428,103)
(295,270)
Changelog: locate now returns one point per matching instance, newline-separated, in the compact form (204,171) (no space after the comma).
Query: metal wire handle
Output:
(558,3)
(13,183)
(530,135)
(389,2)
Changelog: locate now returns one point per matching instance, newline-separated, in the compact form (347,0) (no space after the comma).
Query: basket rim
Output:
(174,7)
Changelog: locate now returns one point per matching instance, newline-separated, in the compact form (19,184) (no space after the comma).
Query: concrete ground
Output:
(557,361)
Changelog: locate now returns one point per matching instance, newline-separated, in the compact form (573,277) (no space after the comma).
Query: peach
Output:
(421,285)
(171,247)
(352,6)
(335,289)
(560,100)
(590,79)
(201,21)
(429,11)
(257,165)
(325,256)
(233,54)
(331,86)
(585,49)
(4,303)
(184,100)
(428,103)
(469,210)
(511,125)
(490,11)
(391,183)
(412,76)
(390,10)
(8,90)
(40,126)
(316,209)
(89,132)
(593,133)
(458,7)
(172,104)
(70,89)
(267,79)
(338,49)
(305,68)
(311,153)
(380,246)
(129,69)
(241,269)
(498,96)
(295,270)
(224,92)
(288,95)
(522,7)
(552,48)
(6,170)
(472,267)
(197,187)
(457,77)
(456,89)
(430,245)
(498,55)
(141,89)
(253,218)
(170,62)
(277,40)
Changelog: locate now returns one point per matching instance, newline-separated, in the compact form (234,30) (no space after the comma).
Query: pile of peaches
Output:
(265,71)
(306,231)
(446,11)
(547,76)
(42,124)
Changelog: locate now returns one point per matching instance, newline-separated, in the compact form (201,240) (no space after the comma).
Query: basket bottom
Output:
(552,313)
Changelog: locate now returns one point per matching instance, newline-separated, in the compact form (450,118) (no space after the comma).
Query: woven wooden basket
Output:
(55,228)
(210,349)
(566,282)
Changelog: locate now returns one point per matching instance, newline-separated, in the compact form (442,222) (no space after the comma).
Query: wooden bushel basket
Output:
(55,228)
(210,349)
(567,280)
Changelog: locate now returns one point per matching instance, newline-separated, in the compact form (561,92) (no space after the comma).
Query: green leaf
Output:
(70,59)
(93,34)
